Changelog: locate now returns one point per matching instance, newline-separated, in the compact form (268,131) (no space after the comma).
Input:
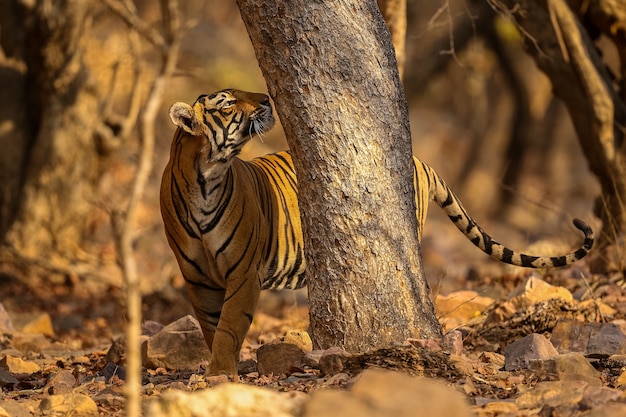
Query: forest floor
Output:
(55,342)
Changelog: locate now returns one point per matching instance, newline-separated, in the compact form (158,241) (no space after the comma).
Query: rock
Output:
(225,400)
(151,327)
(117,351)
(7,379)
(534,290)
(6,324)
(180,345)
(111,370)
(112,396)
(621,380)
(595,396)
(553,394)
(453,342)
(609,410)
(569,367)
(27,342)
(115,354)
(34,323)
(13,409)
(333,360)
(68,405)
(385,393)
(300,339)
(18,366)
(312,358)
(61,383)
(518,354)
(460,307)
(595,340)
(279,358)
(497,408)
(247,366)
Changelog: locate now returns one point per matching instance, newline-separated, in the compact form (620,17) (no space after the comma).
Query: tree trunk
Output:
(51,161)
(394,13)
(563,49)
(331,70)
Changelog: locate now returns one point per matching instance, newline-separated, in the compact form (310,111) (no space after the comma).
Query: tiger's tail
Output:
(451,205)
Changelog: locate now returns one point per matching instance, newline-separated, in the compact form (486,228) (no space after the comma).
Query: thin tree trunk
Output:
(563,49)
(53,171)
(332,73)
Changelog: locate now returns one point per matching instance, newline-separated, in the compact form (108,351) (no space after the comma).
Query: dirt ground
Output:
(85,323)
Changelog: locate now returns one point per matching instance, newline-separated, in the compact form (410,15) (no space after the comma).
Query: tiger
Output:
(234,225)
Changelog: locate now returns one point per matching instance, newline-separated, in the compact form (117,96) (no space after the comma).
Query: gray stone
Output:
(180,345)
(279,358)
(532,347)
(61,383)
(598,340)
(333,360)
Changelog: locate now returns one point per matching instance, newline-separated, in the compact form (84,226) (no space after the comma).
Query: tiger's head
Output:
(226,120)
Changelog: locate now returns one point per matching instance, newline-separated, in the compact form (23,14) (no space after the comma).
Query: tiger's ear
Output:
(183,116)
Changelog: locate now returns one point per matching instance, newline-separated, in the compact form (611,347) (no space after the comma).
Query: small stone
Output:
(569,367)
(279,358)
(27,342)
(333,360)
(453,342)
(180,345)
(115,354)
(228,399)
(34,323)
(532,347)
(553,394)
(13,409)
(246,367)
(68,405)
(111,370)
(498,408)
(597,340)
(151,327)
(535,290)
(6,324)
(61,383)
(18,366)
(621,380)
(385,393)
(460,307)
(615,409)
(7,379)
(312,358)
(300,339)
(595,396)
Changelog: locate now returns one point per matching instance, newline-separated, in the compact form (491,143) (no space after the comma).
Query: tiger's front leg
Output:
(242,296)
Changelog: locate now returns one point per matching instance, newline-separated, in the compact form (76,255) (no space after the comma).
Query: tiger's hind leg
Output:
(207,303)
(240,303)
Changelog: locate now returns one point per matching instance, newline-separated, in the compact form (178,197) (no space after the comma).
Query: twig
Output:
(124,223)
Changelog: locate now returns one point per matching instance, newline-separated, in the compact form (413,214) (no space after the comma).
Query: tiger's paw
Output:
(222,367)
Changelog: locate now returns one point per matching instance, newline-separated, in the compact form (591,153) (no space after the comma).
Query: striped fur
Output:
(234,225)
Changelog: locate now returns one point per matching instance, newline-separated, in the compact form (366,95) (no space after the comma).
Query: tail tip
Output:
(583,227)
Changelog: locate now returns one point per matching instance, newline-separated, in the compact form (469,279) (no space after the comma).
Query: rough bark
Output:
(52,167)
(332,73)
(394,13)
(563,49)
